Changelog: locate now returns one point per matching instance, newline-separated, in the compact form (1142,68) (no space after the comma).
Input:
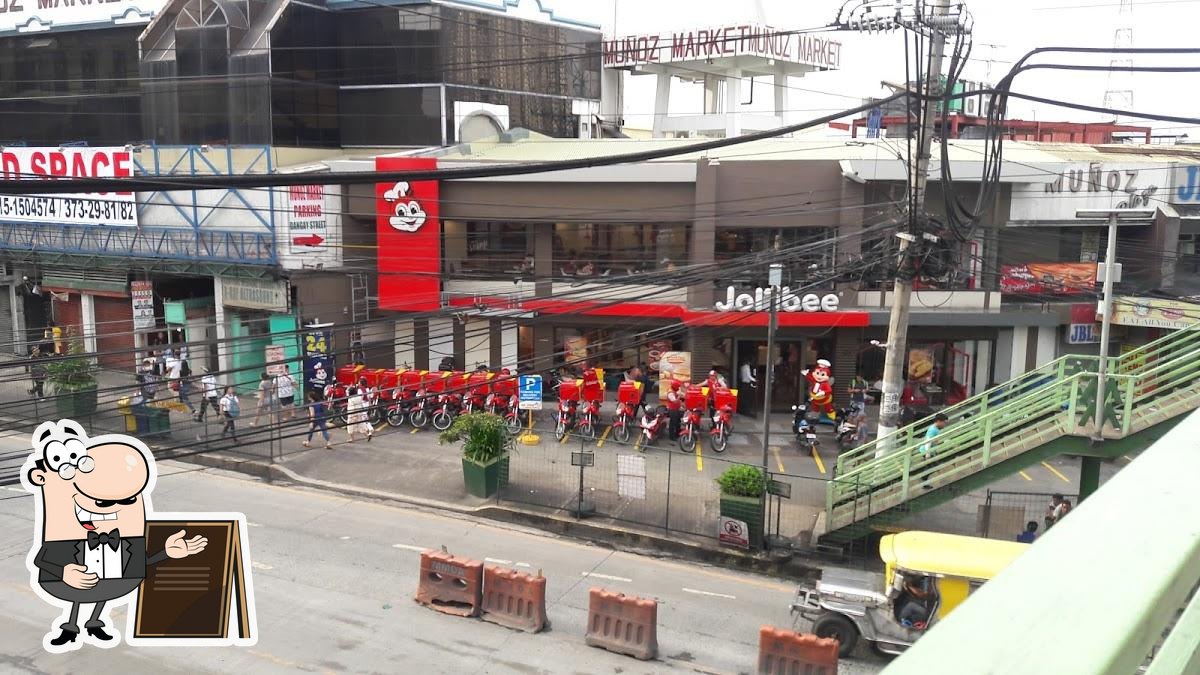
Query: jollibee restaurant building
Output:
(590,267)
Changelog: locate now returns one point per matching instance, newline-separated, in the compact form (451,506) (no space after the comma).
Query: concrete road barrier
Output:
(449,584)
(622,624)
(514,599)
(784,652)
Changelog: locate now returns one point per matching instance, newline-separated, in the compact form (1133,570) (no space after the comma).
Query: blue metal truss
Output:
(190,240)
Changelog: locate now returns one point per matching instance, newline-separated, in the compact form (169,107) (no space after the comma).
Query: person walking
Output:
(285,389)
(317,419)
(858,393)
(231,408)
(357,421)
(37,372)
(265,393)
(939,422)
(210,395)
(185,387)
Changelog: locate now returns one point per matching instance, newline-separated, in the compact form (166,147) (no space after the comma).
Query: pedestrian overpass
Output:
(1046,412)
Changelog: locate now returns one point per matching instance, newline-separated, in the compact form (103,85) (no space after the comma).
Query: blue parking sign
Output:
(529,394)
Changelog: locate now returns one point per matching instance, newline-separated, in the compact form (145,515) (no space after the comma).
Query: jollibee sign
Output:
(97,208)
(409,236)
(760,301)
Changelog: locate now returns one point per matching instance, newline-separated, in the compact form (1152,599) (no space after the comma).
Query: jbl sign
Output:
(1082,334)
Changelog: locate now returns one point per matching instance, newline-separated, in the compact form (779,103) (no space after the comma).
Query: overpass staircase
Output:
(1046,412)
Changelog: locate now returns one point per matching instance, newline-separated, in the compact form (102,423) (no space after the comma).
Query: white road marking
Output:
(521,564)
(13,489)
(715,595)
(251,524)
(410,547)
(261,566)
(498,561)
(343,538)
(605,576)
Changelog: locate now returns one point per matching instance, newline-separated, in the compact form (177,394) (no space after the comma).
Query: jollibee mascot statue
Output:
(820,391)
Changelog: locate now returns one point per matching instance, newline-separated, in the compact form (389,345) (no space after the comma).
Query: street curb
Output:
(617,537)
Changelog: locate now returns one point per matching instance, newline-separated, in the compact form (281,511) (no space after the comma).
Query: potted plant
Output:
(72,376)
(742,488)
(486,446)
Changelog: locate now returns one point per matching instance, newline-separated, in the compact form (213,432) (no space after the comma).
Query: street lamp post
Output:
(774,281)
(1090,468)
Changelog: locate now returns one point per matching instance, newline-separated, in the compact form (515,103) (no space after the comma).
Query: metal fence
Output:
(659,488)
(995,514)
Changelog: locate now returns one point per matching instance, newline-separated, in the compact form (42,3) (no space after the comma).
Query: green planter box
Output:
(483,480)
(76,405)
(747,509)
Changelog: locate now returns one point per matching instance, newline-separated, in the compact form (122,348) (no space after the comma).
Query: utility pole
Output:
(897,341)
(1089,470)
(774,281)
(1110,255)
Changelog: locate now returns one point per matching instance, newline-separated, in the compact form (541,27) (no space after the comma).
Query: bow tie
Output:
(113,539)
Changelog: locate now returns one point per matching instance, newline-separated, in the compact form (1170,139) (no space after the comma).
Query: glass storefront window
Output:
(613,350)
(937,373)
(476,248)
(614,250)
(807,258)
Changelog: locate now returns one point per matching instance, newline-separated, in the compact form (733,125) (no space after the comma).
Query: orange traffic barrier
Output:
(622,624)
(514,599)
(449,584)
(783,652)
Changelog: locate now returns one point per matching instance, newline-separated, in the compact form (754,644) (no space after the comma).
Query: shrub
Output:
(484,436)
(73,371)
(742,480)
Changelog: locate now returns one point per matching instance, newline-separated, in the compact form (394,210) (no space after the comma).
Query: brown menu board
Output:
(191,597)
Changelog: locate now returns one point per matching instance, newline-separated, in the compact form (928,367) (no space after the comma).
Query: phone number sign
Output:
(98,208)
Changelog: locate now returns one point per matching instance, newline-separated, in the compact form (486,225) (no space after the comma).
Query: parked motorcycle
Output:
(589,416)
(847,428)
(628,396)
(804,428)
(449,406)
(566,417)
(725,404)
(695,405)
(654,423)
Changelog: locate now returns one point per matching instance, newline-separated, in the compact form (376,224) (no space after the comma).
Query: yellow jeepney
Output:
(926,576)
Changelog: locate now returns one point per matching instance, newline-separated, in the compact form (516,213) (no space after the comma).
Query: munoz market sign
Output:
(760,301)
(1094,185)
(718,41)
(39,16)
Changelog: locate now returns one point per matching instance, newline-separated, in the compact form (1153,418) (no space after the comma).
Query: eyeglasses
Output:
(68,457)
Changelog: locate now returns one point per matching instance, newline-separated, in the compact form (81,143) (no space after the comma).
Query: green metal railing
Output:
(1144,387)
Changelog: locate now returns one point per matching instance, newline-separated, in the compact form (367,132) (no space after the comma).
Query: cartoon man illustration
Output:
(92,497)
(820,390)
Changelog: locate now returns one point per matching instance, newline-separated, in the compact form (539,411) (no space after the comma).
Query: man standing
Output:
(211,397)
(285,389)
(37,372)
(92,503)
(858,394)
(674,409)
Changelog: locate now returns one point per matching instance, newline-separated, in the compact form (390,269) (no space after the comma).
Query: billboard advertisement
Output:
(410,238)
(97,208)
(1154,312)
(1048,278)
(318,359)
(673,366)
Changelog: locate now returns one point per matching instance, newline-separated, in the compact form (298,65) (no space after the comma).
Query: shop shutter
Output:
(114,332)
(7,343)
(68,313)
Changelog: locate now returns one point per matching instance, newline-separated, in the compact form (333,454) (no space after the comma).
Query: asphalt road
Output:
(334,580)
